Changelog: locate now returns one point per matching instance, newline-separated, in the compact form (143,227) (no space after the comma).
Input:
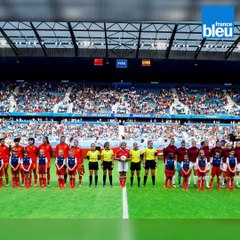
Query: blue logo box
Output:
(218,22)
(121,63)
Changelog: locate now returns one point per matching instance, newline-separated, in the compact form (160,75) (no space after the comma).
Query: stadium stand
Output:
(203,101)
(76,98)
(38,97)
(86,132)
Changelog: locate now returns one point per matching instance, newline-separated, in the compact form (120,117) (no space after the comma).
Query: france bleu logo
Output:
(217,22)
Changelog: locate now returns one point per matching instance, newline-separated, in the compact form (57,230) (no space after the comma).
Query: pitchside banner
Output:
(218,22)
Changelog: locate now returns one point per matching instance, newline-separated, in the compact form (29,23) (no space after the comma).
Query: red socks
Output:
(80,179)
(0,182)
(27,183)
(61,183)
(211,183)
(122,180)
(6,175)
(199,183)
(44,182)
(48,178)
(72,183)
(165,183)
(35,179)
(203,182)
(232,184)
(185,184)
(22,176)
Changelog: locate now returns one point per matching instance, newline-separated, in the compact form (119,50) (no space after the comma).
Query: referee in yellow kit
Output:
(136,156)
(150,161)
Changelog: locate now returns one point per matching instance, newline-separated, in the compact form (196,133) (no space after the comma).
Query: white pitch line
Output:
(125,203)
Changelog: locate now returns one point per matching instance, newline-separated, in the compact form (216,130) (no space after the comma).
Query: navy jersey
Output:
(60,161)
(169,164)
(71,162)
(14,160)
(42,161)
(232,162)
(186,165)
(216,161)
(202,162)
(1,162)
(26,161)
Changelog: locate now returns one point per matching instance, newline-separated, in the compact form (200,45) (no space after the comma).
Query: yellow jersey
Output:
(93,156)
(150,153)
(136,155)
(107,155)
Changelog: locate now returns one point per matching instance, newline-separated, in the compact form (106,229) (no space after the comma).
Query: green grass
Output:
(158,203)
(106,203)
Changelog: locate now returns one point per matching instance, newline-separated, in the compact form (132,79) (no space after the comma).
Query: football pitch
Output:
(109,203)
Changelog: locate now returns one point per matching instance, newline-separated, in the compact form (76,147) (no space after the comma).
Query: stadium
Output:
(83,84)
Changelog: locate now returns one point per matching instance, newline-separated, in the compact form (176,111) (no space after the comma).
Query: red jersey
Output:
(20,151)
(207,152)
(180,154)
(121,153)
(63,147)
(78,154)
(237,154)
(47,150)
(169,149)
(214,149)
(4,153)
(32,152)
(226,153)
(193,154)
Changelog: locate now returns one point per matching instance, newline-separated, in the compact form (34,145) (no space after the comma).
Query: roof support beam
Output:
(10,42)
(230,50)
(171,41)
(139,39)
(106,41)
(198,50)
(39,39)
(73,39)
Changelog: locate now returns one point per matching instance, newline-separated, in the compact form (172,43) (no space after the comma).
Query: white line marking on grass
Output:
(125,203)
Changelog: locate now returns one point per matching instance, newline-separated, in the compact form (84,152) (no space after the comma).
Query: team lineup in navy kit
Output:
(221,161)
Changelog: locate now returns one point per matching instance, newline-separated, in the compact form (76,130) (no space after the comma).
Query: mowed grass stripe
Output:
(52,203)
(157,203)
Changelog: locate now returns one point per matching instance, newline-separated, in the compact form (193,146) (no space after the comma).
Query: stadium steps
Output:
(12,101)
(121,131)
(65,99)
(70,108)
(177,102)
(231,103)
(185,136)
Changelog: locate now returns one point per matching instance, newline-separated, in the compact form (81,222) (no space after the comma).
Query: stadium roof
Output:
(172,40)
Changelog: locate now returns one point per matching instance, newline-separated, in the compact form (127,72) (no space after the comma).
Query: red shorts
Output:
(1,172)
(42,169)
(62,171)
(26,167)
(201,174)
(229,173)
(34,166)
(5,165)
(216,171)
(72,172)
(169,173)
(186,175)
(15,172)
